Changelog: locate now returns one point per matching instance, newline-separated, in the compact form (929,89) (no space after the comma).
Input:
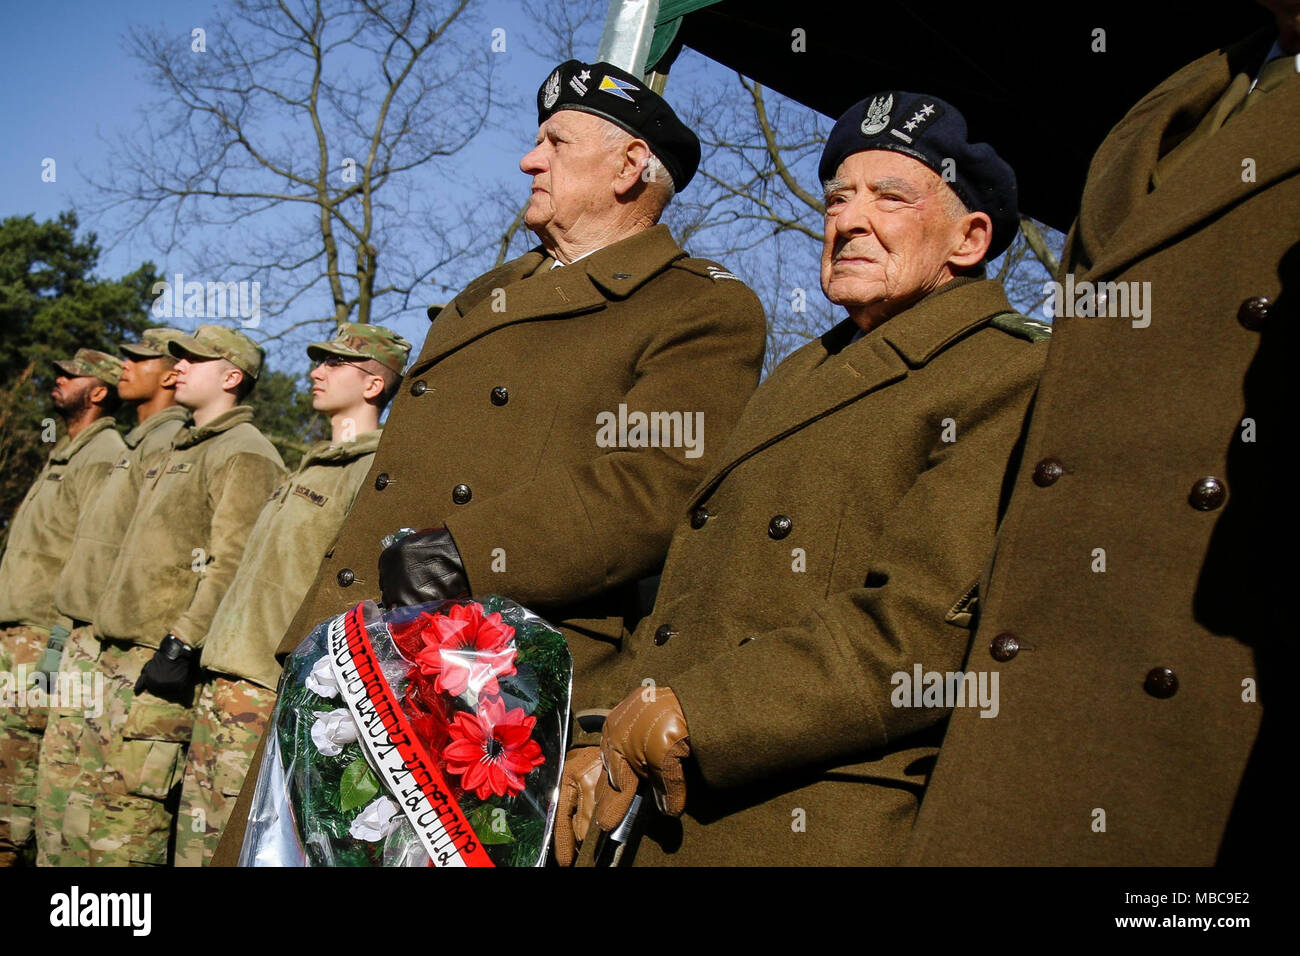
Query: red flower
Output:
(492,751)
(465,650)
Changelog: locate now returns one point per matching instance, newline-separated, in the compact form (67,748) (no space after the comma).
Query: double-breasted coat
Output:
(500,432)
(833,547)
(1135,611)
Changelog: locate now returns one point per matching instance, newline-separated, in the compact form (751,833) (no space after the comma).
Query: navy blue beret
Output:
(618,96)
(930,131)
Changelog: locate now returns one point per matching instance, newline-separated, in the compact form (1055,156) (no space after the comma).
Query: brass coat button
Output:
(779,526)
(1207,494)
(1253,312)
(1161,682)
(346,577)
(500,395)
(662,633)
(419,388)
(1004,647)
(1047,472)
(461,494)
(382,481)
(698,518)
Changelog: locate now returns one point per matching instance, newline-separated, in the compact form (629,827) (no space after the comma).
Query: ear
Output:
(634,157)
(373,389)
(99,394)
(168,379)
(975,234)
(230,383)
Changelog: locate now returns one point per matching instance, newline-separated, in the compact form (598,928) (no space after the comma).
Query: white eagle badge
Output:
(877,115)
(551,92)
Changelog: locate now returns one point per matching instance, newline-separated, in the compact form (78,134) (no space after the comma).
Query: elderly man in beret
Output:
(823,578)
(494,445)
(39,542)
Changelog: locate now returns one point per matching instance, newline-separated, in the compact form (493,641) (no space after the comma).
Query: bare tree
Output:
(292,142)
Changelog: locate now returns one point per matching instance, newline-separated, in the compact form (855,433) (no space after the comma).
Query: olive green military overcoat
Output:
(1137,624)
(834,547)
(500,431)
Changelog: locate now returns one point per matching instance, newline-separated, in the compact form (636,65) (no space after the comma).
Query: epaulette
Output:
(706,268)
(1022,326)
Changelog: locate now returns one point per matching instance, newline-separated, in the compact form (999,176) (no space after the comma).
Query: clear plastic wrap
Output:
(425,735)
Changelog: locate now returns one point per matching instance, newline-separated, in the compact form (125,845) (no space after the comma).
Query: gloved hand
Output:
(49,662)
(421,567)
(171,673)
(645,739)
(582,769)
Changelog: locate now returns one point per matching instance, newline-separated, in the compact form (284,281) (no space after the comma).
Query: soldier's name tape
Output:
(395,752)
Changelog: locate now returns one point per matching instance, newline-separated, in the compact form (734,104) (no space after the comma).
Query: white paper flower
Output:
(380,817)
(331,731)
(321,679)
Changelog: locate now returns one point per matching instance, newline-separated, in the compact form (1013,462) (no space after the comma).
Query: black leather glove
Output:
(171,673)
(421,567)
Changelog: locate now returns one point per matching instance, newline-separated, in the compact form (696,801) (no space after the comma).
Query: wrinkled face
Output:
(142,378)
(337,385)
(889,233)
(573,175)
(71,395)
(199,382)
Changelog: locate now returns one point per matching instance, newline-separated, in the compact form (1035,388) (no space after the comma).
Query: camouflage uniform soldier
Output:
(40,536)
(358,372)
(177,559)
(75,738)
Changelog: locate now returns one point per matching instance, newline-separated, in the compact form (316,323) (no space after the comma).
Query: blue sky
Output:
(71,90)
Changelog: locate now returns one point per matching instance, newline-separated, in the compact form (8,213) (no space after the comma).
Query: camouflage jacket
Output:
(100,529)
(40,533)
(283,552)
(180,552)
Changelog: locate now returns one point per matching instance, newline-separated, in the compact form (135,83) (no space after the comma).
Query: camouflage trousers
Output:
(73,747)
(229,720)
(22,720)
(108,788)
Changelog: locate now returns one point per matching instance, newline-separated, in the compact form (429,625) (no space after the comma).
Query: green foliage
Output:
(51,304)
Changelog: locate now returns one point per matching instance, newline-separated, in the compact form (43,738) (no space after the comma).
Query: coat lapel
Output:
(613,272)
(1121,220)
(825,376)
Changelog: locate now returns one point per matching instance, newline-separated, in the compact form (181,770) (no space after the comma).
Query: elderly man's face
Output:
(573,174)
(889,233)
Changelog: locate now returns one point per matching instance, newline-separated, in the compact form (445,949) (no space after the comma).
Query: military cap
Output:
(359,341)
(934,133)
(615,95)
(152,344)
(218,341)
(93,363)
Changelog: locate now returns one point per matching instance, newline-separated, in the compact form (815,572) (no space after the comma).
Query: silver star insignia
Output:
(927,109)
(910,124)
(585,75)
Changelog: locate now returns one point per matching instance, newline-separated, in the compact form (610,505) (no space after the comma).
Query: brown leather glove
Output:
(577,801)
(644,739)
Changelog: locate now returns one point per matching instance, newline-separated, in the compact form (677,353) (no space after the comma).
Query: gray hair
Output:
(615,137)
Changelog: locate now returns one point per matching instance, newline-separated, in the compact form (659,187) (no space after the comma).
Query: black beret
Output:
(615,95)
(931,131)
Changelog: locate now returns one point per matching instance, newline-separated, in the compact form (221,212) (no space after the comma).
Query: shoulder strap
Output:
(1022,326)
